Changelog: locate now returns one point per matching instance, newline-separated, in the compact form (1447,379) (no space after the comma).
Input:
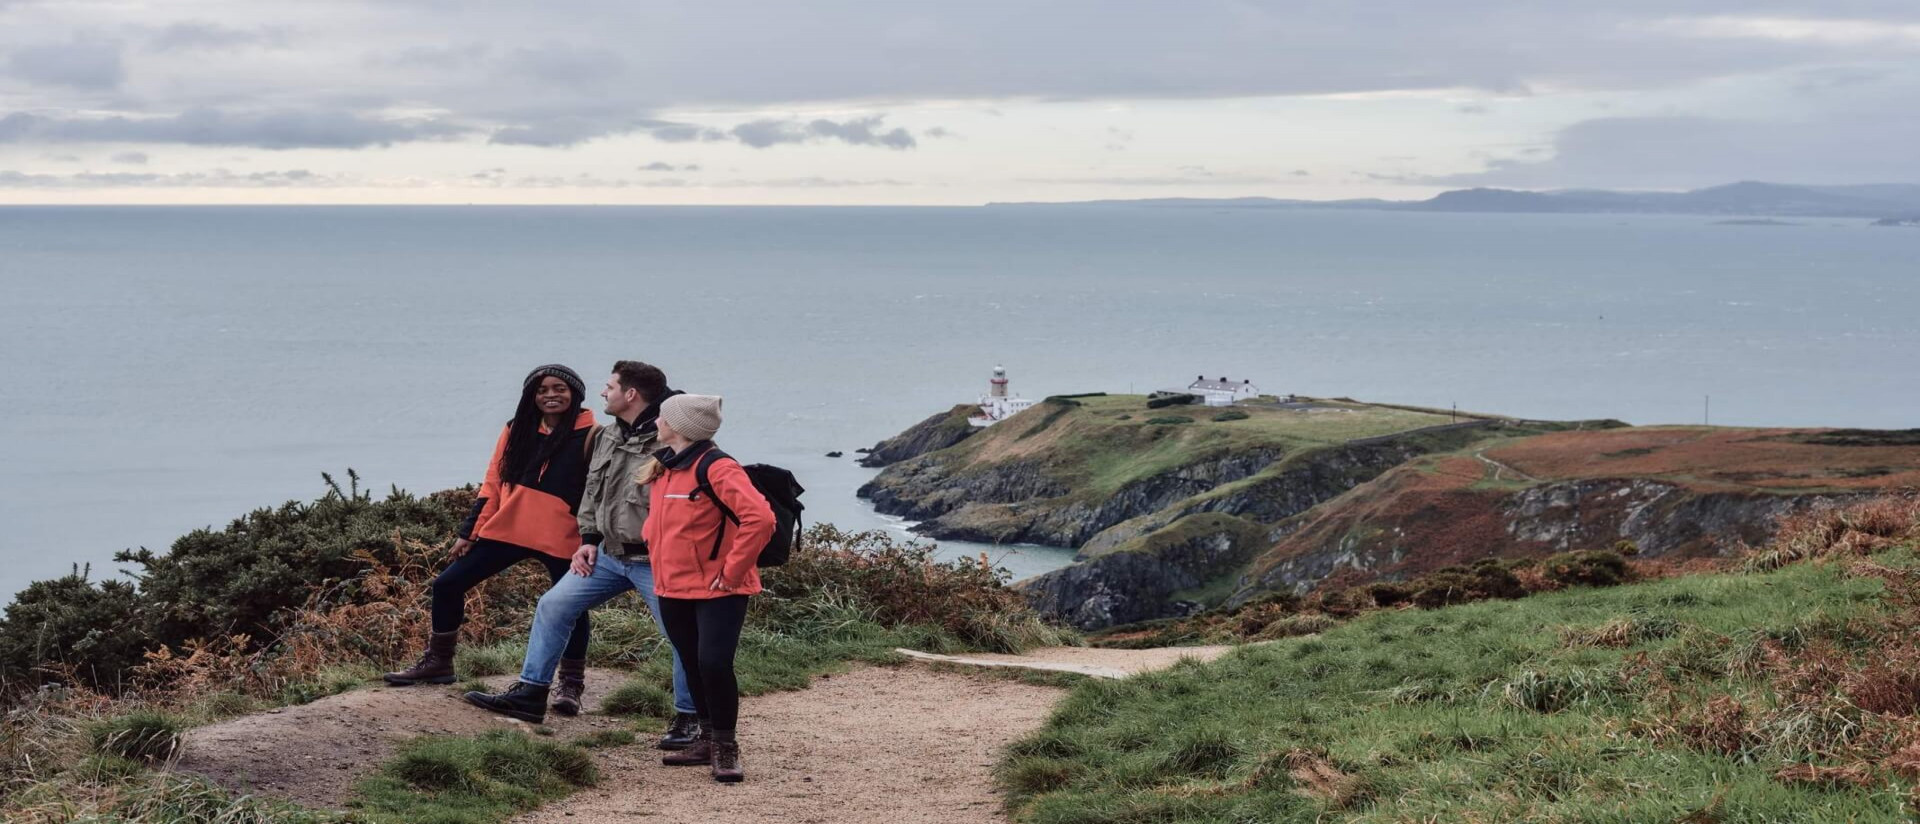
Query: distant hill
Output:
(1746,198)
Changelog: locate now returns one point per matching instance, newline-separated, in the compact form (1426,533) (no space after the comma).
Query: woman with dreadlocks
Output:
(525,512)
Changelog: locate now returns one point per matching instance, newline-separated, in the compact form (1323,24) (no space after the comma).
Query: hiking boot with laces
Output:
(527,702)
(684,730)
(434,667)
(697,753)
(569,686)
(727,768)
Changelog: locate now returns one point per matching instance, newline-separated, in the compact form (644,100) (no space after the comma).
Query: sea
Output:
(172,368)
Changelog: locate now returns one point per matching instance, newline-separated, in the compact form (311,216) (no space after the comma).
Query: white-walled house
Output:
(1222,392)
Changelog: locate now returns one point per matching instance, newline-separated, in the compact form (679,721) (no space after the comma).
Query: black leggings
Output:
(485,560)
(706,631)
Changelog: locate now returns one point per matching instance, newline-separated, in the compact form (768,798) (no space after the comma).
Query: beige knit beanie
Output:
(695,417)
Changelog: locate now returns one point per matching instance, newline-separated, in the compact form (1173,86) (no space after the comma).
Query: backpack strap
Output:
(593,438)
(705,486)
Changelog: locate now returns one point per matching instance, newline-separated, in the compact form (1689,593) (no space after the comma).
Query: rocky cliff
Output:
(931,435)
(1173,513)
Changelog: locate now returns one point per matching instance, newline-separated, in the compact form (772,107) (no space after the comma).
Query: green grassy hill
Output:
(1783,694)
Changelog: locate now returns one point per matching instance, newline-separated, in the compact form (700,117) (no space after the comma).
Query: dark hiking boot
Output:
(726,759)
(681,733)
(434,667)
(568,688)
(696,754)
(527,702)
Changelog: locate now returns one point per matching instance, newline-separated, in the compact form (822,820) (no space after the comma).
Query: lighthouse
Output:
(997,405)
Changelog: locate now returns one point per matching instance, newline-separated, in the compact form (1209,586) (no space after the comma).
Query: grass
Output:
(477,780)
(1587,705)
(147,736)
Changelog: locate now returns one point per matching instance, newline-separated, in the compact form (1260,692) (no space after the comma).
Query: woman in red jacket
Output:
(704,569)
(525,512)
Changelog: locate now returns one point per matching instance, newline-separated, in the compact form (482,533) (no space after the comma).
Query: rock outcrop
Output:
(933,434)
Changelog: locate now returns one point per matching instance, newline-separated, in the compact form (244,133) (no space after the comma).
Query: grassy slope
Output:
(1480,712)
(1094,450)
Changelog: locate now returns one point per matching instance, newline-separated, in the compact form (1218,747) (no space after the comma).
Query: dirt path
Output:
(878,745)
(1499,467)
(314,752)
(1094,661)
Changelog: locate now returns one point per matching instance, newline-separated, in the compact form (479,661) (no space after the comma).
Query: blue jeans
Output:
(571,597)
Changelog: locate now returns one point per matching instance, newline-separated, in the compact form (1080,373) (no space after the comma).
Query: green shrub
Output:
(1171,400)
(1230,415)
(239,579)
(1389,593)
(838,579)
(142,735)
(1590,567)
(1458,585)
(97,631)
(1169,420)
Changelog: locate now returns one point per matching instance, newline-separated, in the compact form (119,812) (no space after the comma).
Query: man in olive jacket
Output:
(612,558)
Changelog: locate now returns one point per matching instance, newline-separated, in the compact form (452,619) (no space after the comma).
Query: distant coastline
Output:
(1896,202)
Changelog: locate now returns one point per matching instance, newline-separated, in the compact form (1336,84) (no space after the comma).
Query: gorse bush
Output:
(900,585)
(234,589)
(238,580)
(71,627)
(1594,567)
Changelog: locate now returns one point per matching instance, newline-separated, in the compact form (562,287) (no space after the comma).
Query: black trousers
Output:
(485,560)
(706,633)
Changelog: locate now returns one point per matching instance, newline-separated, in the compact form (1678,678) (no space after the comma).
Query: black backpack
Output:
(782,492)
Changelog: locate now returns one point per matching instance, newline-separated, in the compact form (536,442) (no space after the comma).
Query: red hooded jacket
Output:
(682,524)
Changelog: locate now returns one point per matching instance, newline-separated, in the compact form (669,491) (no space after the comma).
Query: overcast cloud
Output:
(1640,93)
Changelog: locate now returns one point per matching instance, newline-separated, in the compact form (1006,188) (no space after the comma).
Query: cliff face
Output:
(1175,510)
(933,434)
(1412,531)
(1167,575)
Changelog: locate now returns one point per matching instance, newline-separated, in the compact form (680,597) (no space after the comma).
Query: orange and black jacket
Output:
(537,516)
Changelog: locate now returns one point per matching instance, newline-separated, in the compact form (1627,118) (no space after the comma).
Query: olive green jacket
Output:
(614,507)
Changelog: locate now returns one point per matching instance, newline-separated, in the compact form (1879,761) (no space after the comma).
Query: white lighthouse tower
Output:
(997,405)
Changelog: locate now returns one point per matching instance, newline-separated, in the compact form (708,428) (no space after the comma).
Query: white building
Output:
(997,405)
(1222,392)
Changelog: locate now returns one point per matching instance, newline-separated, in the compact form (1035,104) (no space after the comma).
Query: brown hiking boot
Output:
(698,753)
(569,686)
(434,667)
(726,759)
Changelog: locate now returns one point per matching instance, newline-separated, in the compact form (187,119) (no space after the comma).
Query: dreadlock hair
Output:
(527,450)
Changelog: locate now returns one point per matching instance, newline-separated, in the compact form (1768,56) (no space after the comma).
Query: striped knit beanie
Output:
(566,376)
(695,417)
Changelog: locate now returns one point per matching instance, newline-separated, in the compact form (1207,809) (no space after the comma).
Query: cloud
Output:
(658,166)
(555,63)
(84,63)
(589,181)
(204,36)
(219,178)
(859,131)
(131,158)
(1873,146)
(567,131)
(211,127)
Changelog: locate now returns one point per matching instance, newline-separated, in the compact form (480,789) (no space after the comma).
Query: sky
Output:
(906,102)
